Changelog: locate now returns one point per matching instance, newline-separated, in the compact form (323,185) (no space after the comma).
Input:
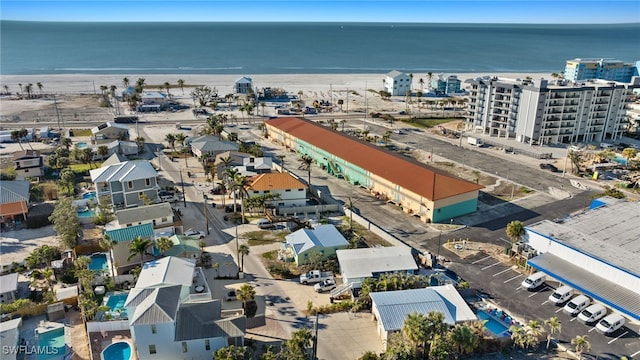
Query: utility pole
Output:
(55,104)
(315,339)
(206,211)
(347,100)
(439,239)
(184,196)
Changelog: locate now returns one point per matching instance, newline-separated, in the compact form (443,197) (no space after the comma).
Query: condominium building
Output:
(605,69)
(549,113)
(449,85)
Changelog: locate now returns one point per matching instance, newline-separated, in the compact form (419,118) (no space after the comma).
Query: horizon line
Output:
(315,22)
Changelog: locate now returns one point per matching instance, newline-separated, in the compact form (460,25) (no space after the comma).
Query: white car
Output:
(230,295)
(326,285)
(199,234)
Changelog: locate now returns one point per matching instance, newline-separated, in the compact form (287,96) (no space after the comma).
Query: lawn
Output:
(84,168)
(256,238)
(429,122)
(81,132)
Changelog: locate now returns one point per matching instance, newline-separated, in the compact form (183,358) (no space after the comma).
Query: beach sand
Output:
(90,83)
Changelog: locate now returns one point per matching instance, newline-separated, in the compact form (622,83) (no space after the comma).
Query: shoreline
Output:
(90,83)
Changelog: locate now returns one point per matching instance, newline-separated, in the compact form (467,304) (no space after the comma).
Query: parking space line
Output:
(573,319)
(477,261)
(546,301)
(502,272)
(539,291)
(557,311)
(621,335)
(490,266)
(635,353)
(513,278)
(593,328)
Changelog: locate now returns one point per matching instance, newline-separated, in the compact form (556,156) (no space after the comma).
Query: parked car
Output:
(549,167)
(315,276)
(199,234)
(230,295)
(326,285)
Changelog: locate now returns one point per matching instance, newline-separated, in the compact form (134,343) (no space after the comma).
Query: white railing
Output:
(115,325)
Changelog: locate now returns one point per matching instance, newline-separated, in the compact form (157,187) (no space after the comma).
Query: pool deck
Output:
(79,347)
(100,340)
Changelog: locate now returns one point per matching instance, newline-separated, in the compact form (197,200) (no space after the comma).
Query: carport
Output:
(615,296)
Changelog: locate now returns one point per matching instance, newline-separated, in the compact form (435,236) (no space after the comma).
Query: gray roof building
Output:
(202,320)
(159,306)
(359,264)
(143,214)
(14,191)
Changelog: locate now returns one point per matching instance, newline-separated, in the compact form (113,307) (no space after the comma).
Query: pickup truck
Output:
(315,276)
(326,285)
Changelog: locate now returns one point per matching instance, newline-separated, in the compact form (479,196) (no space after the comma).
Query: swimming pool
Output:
(98,262)
(620,160)
(496,327)
(117,351)
(89,195)
(51,344)
(116,303)
(87,214)
(81,145)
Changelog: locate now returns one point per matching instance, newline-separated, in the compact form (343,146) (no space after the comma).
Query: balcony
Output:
(199,289)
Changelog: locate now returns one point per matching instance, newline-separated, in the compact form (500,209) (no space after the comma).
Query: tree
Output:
(232,352)
(442,347)
(581,343)
(398,348)
(39,85)
(140,141)
(6,89)
(297,347)
(629,153)
(534,330)
(421,82)
(102,151)
(181,85)
(125,82)
(43,256)
(245,294)
(430,77)
(415,330)
(306,162)
(243,250)
(515,231)
(86,156)
(140,83)
(19,135)
(138,246)
(203,95)
(464,339)
(67,178)
(164,244)
(108,244)
(554,326)
(65,222)
(66,142)
(518,336)
(28,89)
(576,161)
(171,139)
(168,87)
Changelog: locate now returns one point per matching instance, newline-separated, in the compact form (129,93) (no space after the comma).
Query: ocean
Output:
(31,48)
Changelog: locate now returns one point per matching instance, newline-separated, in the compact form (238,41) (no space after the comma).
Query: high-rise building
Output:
(605,69)
(549,113)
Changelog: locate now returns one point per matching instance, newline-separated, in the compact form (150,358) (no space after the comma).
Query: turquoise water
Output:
(81,145)
(87,214)
(51,344)
(89,195)
(496,327)
(620,160)
(337,47)
(116,302)
(98,262)
(117,351)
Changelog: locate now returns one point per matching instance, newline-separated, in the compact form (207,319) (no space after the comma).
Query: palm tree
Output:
(140,83)
(281,158)
(306,162)
(140,143)
(82,262)
(464,339)
(581,344)
(28,89)
(171,139)
(125,82)
(629,153)
(386,137)
(181,85)
(576,161)
(48,276)
(164,244)
(534,330)
(138,246)
(430,77)
(515,231)
(6,89)
(168,87)
(108,244)
(415,330)
(240,184)
(243,250)
(421,82)
(518,336)
(39,85)
(245,294)
(554,326)
(102,151)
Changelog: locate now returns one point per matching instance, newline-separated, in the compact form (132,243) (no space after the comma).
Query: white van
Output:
(610,324)
(592,314)
(533,281)
(561,295)
(606,145)
(265,224)
(576,305)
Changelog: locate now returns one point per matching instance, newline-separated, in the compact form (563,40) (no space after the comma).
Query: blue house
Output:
(324,240)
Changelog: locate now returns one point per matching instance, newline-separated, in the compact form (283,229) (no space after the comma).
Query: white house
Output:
(126,183)
(397,83)
(211,146)
(154,98)
(244,85)
(359,264)
(160,215)
(10,336)
(8,288)
(108,132)
(390,308)
(291,190)
(172,315)
(252,166)
(324,240)
(28,163)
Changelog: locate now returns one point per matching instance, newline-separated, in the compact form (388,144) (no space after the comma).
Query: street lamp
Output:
(439,242)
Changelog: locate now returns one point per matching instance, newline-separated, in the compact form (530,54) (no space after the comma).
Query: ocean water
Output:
(281,48)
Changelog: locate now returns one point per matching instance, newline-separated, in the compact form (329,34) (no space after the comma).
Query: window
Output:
(152,349)
(164,219)
(207,345)
(154,330)
(184,347)
(288,190)
(130,184)
(147,181)
(140,195)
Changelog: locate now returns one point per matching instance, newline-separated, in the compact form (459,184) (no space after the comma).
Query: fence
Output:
(373,228)
(507,148)
(296,210)
(115,325)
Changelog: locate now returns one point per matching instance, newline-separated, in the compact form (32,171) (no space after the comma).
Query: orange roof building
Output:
(290,191)
(429,193)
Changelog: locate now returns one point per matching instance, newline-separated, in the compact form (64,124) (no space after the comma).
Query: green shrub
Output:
(14,306)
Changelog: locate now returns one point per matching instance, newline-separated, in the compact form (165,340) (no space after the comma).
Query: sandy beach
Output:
(90,83)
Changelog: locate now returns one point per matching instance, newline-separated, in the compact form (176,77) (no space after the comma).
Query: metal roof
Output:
(14,191)
(161,306)
(609,232)
(131,232)
(214,145)
(183,244)
(202,320)
(364,263)
(394,306)
(125,171)
(8,283)
(599,288)
(144,213)
(323,236)
(168,270)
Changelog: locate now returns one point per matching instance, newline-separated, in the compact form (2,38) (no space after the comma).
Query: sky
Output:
(412,11)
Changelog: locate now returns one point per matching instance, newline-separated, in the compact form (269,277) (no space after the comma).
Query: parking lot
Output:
(487,272)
